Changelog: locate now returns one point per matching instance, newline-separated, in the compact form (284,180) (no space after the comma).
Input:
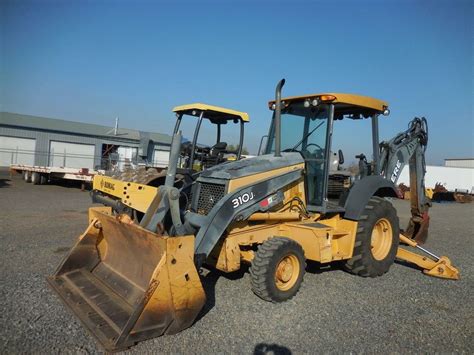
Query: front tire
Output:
(377,239)
(277,269)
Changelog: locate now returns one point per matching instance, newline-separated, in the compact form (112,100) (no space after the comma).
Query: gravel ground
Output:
(403,311)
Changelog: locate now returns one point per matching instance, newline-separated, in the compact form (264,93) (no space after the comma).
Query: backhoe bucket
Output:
(127,284)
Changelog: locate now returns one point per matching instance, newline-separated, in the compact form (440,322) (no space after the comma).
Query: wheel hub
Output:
(381,240)
(287,272)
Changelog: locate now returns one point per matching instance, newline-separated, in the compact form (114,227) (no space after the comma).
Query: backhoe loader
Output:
(131,192)
(128,282)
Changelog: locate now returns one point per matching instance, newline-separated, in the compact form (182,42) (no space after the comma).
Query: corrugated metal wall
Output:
(43,139)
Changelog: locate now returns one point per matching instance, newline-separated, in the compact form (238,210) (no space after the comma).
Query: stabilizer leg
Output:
(431,264)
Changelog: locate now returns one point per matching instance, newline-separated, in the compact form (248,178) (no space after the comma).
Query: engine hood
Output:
(251,166)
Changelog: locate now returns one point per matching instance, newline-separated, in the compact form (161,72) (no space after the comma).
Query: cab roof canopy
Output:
(214,113)
(345,104)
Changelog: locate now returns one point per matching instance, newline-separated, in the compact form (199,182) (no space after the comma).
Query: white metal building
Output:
(459,163)
(461,179)
(42,141)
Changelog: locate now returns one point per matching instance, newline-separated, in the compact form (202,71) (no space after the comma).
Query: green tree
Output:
(234,148)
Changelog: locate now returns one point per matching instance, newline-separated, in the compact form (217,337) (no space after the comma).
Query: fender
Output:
(361,192)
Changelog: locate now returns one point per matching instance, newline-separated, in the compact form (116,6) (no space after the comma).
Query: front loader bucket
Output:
(127,284)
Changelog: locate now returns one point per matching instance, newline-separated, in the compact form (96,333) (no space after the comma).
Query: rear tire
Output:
(27,176)
(377,239)
(36,178)
(43,179)
(277,269)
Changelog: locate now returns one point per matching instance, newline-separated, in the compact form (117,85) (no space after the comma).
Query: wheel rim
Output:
(381,240)
(287,272)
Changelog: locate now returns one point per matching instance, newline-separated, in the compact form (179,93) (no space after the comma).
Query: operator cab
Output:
(307,123)
(196,156)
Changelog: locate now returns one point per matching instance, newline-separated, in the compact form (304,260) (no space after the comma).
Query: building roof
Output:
(213,112)
(87,129)
(339,98)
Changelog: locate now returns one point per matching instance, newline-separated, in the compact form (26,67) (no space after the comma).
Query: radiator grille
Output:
(337,184)
(208,195)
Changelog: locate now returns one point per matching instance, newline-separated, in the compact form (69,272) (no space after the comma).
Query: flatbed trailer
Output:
(40,175)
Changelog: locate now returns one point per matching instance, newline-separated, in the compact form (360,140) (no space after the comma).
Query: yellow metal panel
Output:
(216,109)
(253,179)
(229,256)
(136,196)
(332,239)
(349,99)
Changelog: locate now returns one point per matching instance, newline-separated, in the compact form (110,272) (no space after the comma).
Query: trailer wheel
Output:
(43,179)
(377,239)
(277,269)
(36,178)
(27,176)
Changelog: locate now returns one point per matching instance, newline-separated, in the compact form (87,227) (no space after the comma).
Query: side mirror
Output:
(341,157)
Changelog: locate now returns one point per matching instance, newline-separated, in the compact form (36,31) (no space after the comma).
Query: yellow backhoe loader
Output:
(131,192)
(128,282)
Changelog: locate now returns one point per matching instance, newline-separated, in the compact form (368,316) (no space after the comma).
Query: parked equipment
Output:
(128,282)
(40,175)
(131,191)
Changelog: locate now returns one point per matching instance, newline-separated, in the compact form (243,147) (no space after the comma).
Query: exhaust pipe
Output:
(278,117)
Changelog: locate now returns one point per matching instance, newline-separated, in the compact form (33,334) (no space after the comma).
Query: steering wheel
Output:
(291,150)
(316,145)
(315,154)
(317,150)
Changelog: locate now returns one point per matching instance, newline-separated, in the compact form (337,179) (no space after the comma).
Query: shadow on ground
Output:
(209,279)
(274,349)
(5,183)
(313,267)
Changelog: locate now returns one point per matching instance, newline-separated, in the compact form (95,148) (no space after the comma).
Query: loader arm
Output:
(409,148)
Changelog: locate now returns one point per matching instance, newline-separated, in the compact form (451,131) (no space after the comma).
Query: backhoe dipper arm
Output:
(409,148)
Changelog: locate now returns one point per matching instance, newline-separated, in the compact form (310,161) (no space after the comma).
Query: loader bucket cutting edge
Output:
(127,284)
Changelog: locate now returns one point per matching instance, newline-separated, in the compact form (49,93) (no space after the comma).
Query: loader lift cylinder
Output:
(160,205)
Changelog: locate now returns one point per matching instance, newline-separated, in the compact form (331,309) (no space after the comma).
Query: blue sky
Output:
(91,61)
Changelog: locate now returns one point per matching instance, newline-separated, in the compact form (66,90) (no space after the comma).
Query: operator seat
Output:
(216,154)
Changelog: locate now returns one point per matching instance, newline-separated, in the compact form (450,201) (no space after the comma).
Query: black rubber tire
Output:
(43,179)
(363,262)
(35,178)
(264,265)
(27,176)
